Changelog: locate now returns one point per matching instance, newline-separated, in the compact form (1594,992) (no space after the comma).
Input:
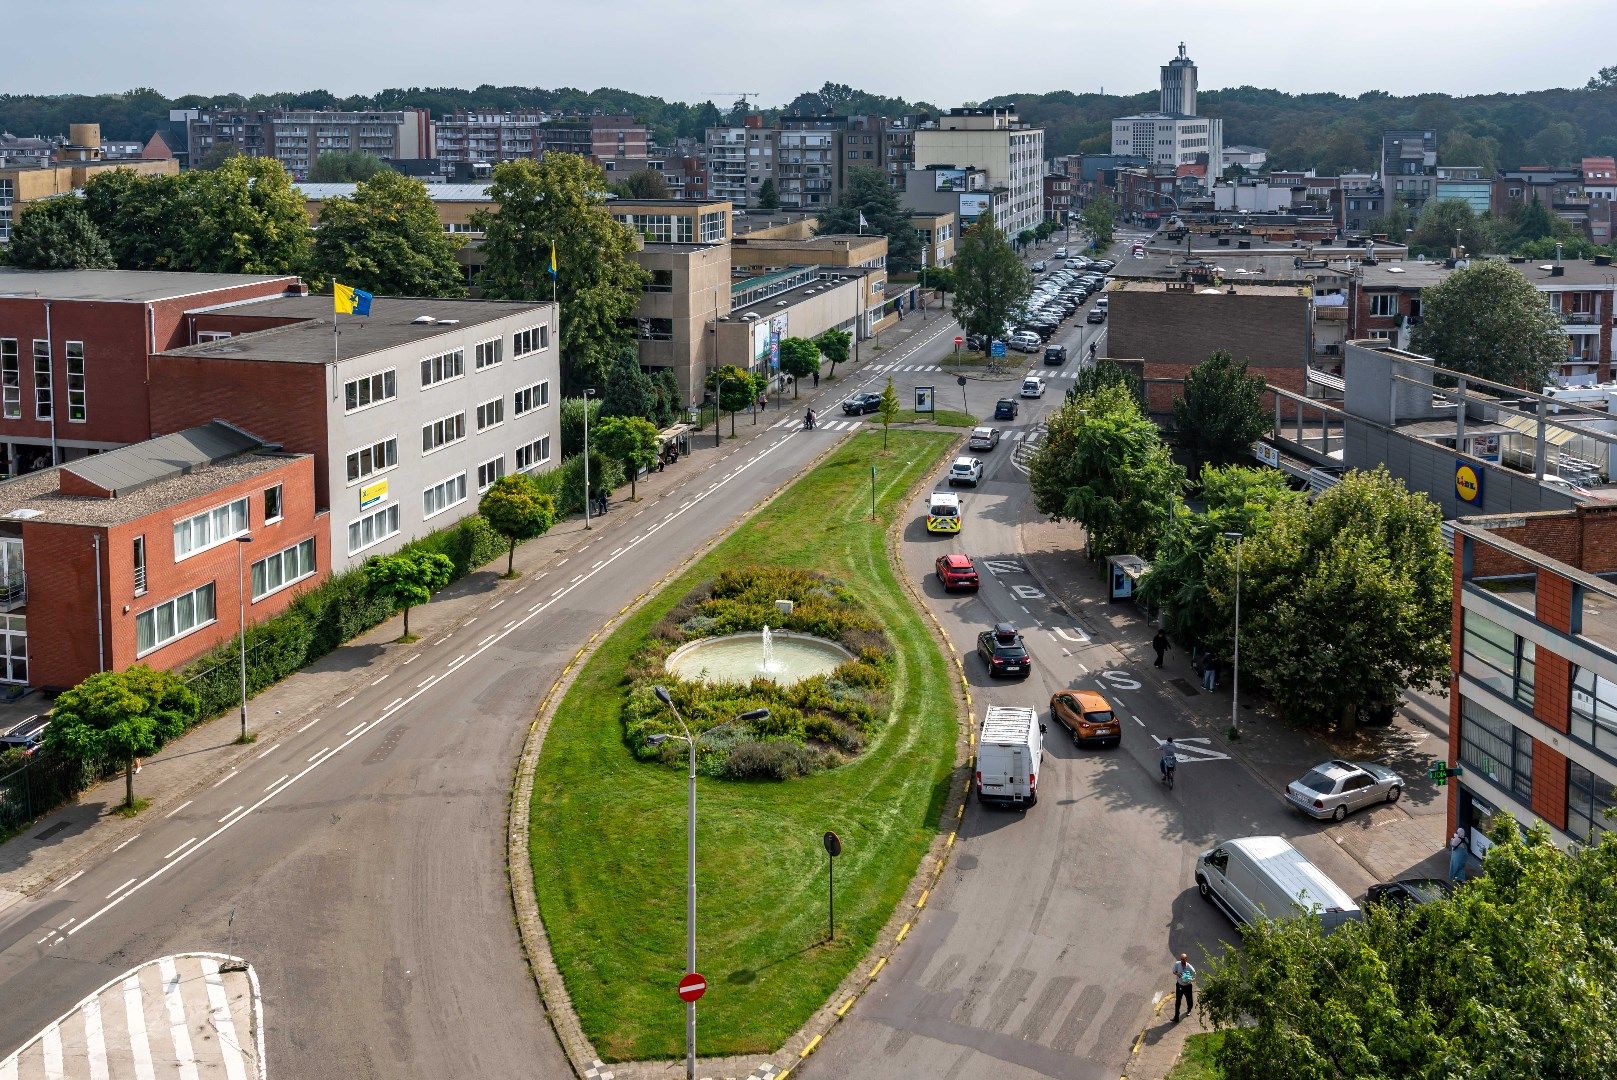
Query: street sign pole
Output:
(833,848)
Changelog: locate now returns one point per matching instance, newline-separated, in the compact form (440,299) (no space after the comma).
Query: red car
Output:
(957,572)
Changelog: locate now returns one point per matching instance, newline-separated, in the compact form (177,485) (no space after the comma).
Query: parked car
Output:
(983,438)
(1334,789)
(966,470)
(1087,716)
(1025,341)
(1264,877)
(1096,315)
(1032,387)
(1060,253)
(1005,409)
(1055,355)
(1038,267)
(1003,650)
(860,404)
(1409,892)
(1105,266)
(957,572)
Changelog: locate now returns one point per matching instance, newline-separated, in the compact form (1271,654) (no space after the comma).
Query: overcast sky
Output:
(943,51)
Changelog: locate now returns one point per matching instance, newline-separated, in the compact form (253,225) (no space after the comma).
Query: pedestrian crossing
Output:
(820,425)
(192,1015)
(1042,373)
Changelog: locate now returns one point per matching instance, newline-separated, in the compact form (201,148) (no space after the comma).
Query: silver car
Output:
(1335,789)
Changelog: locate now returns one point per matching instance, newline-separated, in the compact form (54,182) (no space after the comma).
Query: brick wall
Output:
(1164,382)
(1549,784)
(1585,538)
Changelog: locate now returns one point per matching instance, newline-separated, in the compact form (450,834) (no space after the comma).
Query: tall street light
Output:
(1235,666)
(690,856)
(241,599)
(588,393)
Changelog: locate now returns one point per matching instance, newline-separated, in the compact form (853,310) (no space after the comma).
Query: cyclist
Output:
(1169,762)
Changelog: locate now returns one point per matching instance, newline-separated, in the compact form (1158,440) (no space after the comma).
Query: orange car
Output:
(1087,716)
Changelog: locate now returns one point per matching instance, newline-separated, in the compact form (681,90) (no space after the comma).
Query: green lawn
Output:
(1196,1063)
(942,418)
(607,836)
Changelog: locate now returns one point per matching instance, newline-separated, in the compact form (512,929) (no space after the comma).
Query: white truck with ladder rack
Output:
(1010,746)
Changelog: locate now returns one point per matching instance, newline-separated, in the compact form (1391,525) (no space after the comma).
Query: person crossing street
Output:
(1184,986)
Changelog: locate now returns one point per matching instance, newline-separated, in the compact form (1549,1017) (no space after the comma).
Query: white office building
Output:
(996,142)
(1174,134)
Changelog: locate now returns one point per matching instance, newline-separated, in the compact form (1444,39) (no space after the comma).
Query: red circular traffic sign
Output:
(692,987)
(958,340)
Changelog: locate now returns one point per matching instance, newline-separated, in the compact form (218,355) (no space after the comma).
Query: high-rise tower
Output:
(1179,85)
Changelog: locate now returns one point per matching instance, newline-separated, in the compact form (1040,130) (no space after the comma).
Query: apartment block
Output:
(936,230)
(995,141)
(687,295)
(297,137)
(962,192)
(1408,169)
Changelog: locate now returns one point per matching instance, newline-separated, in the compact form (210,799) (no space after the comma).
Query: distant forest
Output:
(1328,131)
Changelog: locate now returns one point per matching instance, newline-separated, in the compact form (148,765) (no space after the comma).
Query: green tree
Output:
(1554,144)
(888,410)
(215,156)
(1533,221)
(120,716)
(142,218)
(408,578)
(735,388)
(518,511)
(1103,465)
(630,441)
(345,167)
(867,192)
(386,239)
(768,198)
(561,201)
(1107,372)
(245,218)
(1394,224)
(1511,977)
(990,280)
(1025,237)
(670,403)
(629,390)
(1464,148)
(1099,219)
(1489,320)
(572,422)
(1441,221)
(1356,591)
(834,345)
(941,278)
(1220,414)
(57,234)
(642,184)
(799,358)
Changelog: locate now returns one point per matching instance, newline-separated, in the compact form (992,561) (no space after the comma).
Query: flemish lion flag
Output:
(552,261)
(348,300)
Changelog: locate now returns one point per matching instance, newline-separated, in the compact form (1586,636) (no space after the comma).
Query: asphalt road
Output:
(359,860)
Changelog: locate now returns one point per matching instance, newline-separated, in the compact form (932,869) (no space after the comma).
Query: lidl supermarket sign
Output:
(1468,483)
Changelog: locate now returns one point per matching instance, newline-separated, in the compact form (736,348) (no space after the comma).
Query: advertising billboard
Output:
(973,204)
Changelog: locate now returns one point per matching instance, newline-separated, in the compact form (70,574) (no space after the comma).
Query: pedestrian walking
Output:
(1160,644)
(1184,986)
(816,380)
(1210,674)
(1457,856)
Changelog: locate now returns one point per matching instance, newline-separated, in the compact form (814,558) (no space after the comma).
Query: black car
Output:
(1005,409)
(1003,651)
(1055,355)
(860,404)
(1409,892)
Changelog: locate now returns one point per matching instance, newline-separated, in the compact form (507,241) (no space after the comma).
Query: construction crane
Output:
(741,96)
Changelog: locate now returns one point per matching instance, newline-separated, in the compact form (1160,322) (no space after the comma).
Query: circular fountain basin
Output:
(739,658)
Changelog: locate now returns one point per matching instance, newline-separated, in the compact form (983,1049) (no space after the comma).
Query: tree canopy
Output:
(799,358)
(518,511)
(57,234)
(629,390)
(119,716)
(642,184)
(1489,320)
(409,578)
(990,279)
(866,191)
(1220,414)
(1099,218)
(386,239)
(345,167)
(736,387)
(834,345)
(631,441)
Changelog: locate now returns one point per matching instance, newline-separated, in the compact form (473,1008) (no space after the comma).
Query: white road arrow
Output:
(1188,750)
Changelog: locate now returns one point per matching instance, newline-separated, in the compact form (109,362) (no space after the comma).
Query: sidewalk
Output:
(54,847)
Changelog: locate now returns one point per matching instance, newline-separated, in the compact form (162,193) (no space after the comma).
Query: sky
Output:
(942,51)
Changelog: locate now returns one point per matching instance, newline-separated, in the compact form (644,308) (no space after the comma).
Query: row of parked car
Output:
(1059,296)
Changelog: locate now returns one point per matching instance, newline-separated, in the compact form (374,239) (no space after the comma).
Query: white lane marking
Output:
(135,1023)
(496,604)
(619,551)
(126,843)
(537,606)
(225,777)
(443,639)
(309,725)
(321,751)
(563,562)
(328,752)
(68,881)
(178,1029)
(1136,719)
(1194,749)
(353,729)
(268,752)
(1067,634)
(1083,668)
(121,888)
(181,848)
(450,666)
(343,702)
(488,639)
(508,625)
(232,814)
(178,808)
(379,681)
(417,656)
(522,589)
(471,620)
(272,787)
(425,681)
(390,705)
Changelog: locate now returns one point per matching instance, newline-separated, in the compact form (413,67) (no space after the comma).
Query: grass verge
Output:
(1196,1063)
(607,835)
(941,417)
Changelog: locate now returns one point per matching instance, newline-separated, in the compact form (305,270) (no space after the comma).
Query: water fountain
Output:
(769,667)
(780,655)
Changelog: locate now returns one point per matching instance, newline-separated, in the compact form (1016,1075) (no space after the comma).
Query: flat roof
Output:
(1239,288)
(1418,274)
(772,305)
(37,496)
(127,285)
(826,240)
(390,323)
(1227,263)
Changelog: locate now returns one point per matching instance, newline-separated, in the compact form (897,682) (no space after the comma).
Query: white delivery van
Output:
(1264,877)
(1010,747)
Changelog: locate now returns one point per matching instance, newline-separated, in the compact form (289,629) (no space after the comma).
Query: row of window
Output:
(191,611)
(366,390)
(44,387)
(383,455)
(1492,747)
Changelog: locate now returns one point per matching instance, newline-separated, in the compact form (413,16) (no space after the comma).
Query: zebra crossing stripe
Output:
(219,1015)
(140,1049)
(95,1041)
(179,1028)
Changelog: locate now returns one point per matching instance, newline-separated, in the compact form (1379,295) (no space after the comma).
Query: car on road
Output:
(1409,892)
(957,572)
(1096,315)
(1005,409)
(1032,387)
(1055,355)
(1003,650)
(860,404)
(1334,789)
(1087,716)
(1060,253)
(1025,341)
(983,438)
(966,470)
(1038,267)
(943,513)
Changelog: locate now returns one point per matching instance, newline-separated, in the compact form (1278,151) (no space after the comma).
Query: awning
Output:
(1554,434)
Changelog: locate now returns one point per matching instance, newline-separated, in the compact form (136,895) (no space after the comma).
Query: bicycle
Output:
(1168,765)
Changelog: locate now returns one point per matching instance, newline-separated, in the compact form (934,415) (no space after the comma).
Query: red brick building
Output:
(132,556)
(1057,197)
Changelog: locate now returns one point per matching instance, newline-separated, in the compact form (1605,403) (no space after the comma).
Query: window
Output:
(370,390)
(173,619)
(373,528)
(656,329)
(533,339)
(1498,659)
(272,504)
(1384,305)
(373,459)
(488,353)
(440,497)
(490,471)
(10,379)
(661,281)
(1381,335)
(437,369)
(534,453)
(139,561)
(282,569)
(76,412)
(1594,711)
(217,526)
(491,414)
(42,380)
(530,398)
(1491,746)
(441,433)
(211,335)
(1588,800)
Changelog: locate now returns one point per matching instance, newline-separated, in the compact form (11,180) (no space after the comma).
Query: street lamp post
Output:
(241,647)
(690,857)
(1235,665)
(588,393)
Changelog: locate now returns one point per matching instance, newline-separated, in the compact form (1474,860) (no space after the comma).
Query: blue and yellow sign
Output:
(371,494)
(1468,483)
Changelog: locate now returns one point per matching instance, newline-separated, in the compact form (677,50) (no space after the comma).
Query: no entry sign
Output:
(692,987)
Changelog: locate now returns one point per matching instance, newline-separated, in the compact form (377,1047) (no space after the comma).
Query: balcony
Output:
(13,592)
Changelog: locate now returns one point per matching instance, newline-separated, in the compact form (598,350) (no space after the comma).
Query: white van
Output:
(1032,386)
(1010,746)
(1264,877)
